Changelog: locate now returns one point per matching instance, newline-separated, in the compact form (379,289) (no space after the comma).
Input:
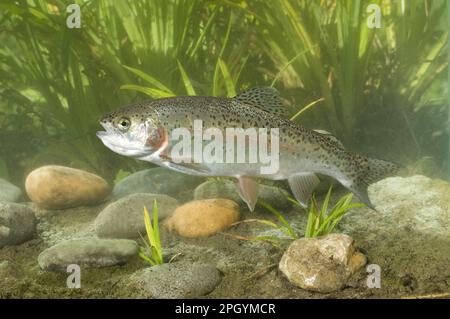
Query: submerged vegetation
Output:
(321,220)
(288,232)
(57,82)
(152,252)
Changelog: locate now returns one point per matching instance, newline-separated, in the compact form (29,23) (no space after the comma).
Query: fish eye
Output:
(123,124)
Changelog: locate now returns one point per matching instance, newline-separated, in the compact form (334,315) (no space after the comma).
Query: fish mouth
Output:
(101,134)
(119,143)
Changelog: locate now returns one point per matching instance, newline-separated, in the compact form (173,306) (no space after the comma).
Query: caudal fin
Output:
(369,171)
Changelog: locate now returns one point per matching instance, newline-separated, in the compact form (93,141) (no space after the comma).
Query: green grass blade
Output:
(231,90)
(149,228)
(158,248)
(151,80)
(277,76)
(154,93)
(267,223)
(312,216)
(325,204)
(186,81)
(292,233)
(146,258)
(305,108)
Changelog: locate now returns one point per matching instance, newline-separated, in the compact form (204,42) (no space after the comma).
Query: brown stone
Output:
(204,217)
(59,187)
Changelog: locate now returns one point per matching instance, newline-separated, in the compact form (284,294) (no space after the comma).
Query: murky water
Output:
(337,79)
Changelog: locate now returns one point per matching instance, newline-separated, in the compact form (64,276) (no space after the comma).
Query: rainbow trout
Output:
(191,134)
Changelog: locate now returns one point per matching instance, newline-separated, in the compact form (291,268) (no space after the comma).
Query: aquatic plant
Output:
(152,252)
(68,78)
(284,225)
(221,68)
(57,82)
(288,232)
(322,221)
(337,57)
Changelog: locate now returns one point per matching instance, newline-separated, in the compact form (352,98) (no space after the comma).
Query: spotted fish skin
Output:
(302,152)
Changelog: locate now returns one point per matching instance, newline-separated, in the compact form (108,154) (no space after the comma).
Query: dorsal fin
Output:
(331,137)
(265,98)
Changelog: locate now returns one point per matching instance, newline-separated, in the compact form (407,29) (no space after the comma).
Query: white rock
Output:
(321,264)
(409,234)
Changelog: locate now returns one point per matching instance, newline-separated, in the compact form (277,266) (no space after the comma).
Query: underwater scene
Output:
(175,149)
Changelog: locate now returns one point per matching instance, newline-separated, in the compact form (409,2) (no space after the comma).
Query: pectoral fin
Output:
(302,186)
(248,190)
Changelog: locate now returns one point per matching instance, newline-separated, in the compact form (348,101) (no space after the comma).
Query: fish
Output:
(143,131)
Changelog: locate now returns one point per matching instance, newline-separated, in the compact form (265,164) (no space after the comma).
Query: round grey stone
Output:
(158,180)
(125,217)
(274,196)
(17,224)
(9,192)
(176,280)
(87,253)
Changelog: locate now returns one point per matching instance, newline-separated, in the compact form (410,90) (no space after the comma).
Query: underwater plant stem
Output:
(448,13)
(306,108)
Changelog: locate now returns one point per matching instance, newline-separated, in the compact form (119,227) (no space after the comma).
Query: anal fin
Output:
(302,186)
(248,190)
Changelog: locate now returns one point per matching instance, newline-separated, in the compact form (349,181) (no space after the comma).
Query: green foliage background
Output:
(384,90)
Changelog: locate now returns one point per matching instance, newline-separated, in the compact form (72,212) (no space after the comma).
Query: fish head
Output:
(130,132)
